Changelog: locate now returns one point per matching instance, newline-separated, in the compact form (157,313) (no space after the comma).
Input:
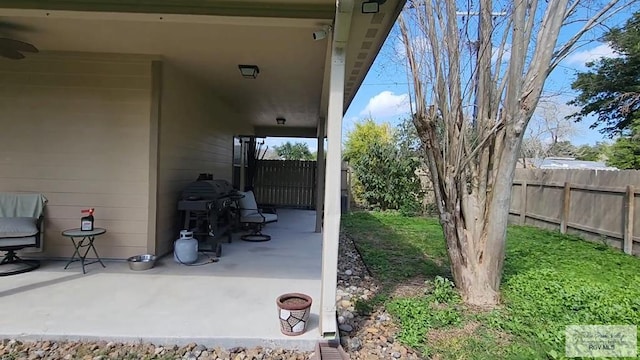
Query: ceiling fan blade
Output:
(12,26)
(17,45)
(11,53)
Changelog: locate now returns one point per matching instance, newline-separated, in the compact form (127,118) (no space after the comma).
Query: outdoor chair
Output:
(21,224)
(254,217)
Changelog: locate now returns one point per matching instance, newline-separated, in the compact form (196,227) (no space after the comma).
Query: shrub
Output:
(388,180)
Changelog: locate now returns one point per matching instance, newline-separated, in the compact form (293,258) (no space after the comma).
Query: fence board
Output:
(595,204)
(286,183)
(628,219)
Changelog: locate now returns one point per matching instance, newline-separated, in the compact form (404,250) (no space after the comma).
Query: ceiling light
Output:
(249,71)
(372,6)
(281,120)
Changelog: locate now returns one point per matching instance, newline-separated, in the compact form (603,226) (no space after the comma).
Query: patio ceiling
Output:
(275,36)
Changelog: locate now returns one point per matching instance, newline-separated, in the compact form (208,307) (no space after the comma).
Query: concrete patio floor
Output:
(228,303)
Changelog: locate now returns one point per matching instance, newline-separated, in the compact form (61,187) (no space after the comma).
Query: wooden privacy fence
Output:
(286,183)
(598,205)
(345,187)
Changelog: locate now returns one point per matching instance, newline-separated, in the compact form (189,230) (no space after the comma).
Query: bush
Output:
(388,180)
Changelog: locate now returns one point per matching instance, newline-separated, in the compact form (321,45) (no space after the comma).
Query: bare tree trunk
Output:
(472,160)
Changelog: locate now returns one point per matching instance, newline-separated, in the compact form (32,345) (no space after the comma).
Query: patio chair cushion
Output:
(19,219)
(248,205)
(18,227)
(18,231)
(259,218)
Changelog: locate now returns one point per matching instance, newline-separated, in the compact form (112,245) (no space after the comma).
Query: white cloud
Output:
(582,57)
(506,54)
(386,104)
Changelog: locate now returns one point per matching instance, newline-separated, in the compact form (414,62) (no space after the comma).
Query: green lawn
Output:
(550,281)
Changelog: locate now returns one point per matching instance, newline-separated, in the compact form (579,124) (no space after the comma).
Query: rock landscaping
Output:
(102,350)
(364,336)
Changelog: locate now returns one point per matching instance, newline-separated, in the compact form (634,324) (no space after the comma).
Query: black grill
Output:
(206,208)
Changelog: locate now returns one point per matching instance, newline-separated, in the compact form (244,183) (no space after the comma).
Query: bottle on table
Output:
(86,222)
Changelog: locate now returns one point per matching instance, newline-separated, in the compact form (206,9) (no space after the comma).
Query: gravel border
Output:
(364,337)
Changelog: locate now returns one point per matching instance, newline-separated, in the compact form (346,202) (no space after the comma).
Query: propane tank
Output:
(185,248)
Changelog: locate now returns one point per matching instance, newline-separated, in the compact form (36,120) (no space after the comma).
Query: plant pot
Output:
(293,313)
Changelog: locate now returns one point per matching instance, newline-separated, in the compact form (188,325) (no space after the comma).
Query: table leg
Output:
(76,251)
(87,242)
(91,246)
(86,252)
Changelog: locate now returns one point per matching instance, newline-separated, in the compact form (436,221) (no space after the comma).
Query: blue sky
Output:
(384,94)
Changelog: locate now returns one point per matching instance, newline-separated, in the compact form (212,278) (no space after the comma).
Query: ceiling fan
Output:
(12,48)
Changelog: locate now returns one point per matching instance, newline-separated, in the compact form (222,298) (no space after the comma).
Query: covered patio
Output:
(228,303)
(127,103)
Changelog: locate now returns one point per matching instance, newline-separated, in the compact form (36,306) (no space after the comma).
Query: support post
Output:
(629,208)
(154,154)
(523,203)
(320,175)
(331,231)
(335,111)
(243,155)
(566,208)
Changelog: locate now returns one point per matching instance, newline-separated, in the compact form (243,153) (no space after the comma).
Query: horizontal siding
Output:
(76,128)
(195,136)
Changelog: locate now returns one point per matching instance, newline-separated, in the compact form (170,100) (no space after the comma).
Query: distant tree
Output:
(547,133)
(532,148)
(365,133)
(562,149)
(407,139)
(624,153)
(271,154)
(597,152)
(297,151)
(554,126)
(610,88)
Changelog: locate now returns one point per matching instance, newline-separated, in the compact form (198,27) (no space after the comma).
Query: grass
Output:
(550,280)
(421,253)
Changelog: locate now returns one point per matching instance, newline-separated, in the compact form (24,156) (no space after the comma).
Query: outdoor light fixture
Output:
(372,6)
(249,71)
(281,120)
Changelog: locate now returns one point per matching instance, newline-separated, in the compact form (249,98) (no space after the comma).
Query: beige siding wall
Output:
(195,136)
(76,128)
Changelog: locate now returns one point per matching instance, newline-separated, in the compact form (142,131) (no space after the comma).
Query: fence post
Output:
(629,208)
(566,207)
(523,203)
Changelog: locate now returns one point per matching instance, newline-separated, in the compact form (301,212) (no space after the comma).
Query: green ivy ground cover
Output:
(550,281)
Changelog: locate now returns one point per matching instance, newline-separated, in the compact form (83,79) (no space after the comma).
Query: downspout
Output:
(331,231)
(320,175)
(243,156)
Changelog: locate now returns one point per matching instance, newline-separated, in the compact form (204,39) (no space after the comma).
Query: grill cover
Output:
(207,190)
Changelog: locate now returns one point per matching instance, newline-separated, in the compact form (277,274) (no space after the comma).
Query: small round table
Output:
(86,242)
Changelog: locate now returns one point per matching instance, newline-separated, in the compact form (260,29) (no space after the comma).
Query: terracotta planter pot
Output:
(293,313)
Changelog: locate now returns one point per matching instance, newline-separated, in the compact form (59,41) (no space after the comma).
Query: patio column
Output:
(331,231)
(320,176)
(243,155)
